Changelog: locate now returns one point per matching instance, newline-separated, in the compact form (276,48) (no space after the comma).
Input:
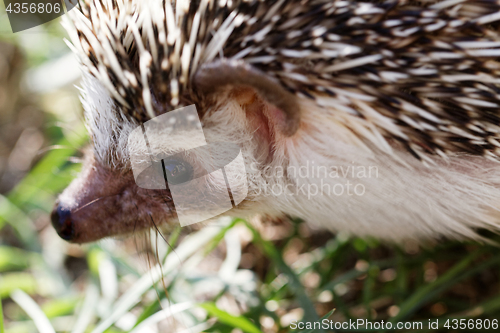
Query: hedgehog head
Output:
(135,69)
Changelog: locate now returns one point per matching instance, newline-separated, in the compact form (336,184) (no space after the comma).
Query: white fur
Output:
(109,130)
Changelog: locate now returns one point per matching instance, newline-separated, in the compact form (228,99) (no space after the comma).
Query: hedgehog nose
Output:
(62,222)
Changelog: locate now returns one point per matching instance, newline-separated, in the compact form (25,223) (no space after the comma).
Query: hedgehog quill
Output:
(408,90)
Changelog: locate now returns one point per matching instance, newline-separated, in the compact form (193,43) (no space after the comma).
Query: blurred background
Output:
(233,276)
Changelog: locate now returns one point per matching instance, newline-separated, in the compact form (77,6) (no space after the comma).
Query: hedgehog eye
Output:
(177,172)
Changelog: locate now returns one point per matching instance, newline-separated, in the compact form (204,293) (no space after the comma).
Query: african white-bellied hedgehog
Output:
(376,117)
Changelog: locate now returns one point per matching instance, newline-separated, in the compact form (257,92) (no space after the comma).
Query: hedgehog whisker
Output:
(157,230)
(70,128)
(158,259)
(76,160)
(55,147)
(135,223)
(94,201)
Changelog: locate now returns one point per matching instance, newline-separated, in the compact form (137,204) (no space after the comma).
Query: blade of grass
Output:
(1,318)
(270,250)
(353,274)
(422,294)
(42,175)
(20,222)
(9,282)
(342,306)
(368,289)
(232,261)
(12,258)
(485,308)
(346,277)
(32,309)
(148,311)
(186,249)
(198,328)
(108,279)
(161,315)
(87,311)
(323,318)
(489,307)
(402,275)
(213,244)
(172,241)
(234,321)
(59,307)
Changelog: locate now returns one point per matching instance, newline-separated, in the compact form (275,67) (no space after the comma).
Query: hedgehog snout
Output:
(103,202)
(62,222)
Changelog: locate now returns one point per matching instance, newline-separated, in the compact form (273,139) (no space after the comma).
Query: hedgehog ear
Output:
(212,77)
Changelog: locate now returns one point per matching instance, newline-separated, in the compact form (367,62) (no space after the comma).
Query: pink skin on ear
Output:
(281,105)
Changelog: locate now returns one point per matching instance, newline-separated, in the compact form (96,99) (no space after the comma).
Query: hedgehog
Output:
(377,118)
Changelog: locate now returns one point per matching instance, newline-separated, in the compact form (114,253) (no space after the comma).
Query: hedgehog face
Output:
(105,199)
